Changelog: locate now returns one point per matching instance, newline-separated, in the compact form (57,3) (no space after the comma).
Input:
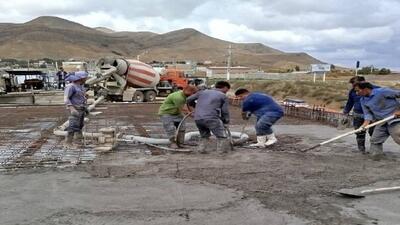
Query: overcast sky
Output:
(335,31)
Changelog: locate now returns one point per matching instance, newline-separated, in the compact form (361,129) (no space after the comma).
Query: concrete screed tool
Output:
(349,133)
(363,193)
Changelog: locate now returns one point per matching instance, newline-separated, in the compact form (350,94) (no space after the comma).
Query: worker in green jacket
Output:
(171,113)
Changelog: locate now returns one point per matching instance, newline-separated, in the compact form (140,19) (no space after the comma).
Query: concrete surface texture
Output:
(277,185)
(75,198)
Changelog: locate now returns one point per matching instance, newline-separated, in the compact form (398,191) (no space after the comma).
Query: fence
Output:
(316,113)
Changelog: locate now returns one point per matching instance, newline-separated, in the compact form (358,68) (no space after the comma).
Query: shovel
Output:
(363,193)
(349,133)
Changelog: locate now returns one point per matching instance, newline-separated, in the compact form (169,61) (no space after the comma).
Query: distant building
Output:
(217,71)
(72,66)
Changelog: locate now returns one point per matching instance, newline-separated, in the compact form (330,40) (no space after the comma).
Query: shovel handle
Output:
(352,132)
(380,190)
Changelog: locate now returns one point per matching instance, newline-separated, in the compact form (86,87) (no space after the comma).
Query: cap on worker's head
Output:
(71,77)
(81,74)
(241,91)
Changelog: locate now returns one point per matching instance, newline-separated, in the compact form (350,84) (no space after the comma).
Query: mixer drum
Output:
(142,75)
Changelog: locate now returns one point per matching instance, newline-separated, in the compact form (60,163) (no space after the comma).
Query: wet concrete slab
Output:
(276,185)
(381,207)
(75,198)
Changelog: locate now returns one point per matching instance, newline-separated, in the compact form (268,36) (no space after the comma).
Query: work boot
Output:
(361,146)
(377,152)
(203,145)
(260,142)
(271,140)
(78,138)
(68,140)
(173,143)
(223,145)
(180,139)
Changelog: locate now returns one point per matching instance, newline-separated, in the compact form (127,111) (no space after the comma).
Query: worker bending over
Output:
(75,100)
(170,113)
(353,103)
(211,114)
(378,104)
(267,111)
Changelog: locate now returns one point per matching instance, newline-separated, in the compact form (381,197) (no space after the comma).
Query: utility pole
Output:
(228,67)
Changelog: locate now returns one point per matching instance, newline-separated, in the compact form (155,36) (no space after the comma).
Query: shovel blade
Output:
(350,194)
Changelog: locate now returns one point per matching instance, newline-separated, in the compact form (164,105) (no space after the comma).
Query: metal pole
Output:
(228,68)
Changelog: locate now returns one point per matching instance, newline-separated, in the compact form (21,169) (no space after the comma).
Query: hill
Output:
(53,37)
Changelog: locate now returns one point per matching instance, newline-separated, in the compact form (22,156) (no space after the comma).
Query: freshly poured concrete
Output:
(276,185)
(75,198)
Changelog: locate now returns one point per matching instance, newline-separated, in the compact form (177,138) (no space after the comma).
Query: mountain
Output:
(105,30)
(53,37)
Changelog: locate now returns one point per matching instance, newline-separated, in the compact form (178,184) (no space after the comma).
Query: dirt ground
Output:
(278,185)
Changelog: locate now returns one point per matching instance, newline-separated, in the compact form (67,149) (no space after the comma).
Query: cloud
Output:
(335,31)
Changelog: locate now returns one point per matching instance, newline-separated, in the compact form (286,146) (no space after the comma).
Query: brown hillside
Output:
(58,38)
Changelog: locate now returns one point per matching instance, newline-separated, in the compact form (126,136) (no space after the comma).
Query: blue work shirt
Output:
(353,102)
(75,95)
(211,104)
(261,104)
(380,104)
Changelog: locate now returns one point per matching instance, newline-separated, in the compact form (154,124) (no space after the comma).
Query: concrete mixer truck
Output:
(128,80)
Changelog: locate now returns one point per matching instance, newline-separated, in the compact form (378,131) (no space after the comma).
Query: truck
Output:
(174,76)
(129,80)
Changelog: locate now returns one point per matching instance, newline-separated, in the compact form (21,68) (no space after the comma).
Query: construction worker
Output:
(61,75)
(170,113)
(353,103)
(212,115)
(267,111)
(75,100)
(377,104)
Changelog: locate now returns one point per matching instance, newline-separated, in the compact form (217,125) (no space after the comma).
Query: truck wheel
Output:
(150,96)
(138,96)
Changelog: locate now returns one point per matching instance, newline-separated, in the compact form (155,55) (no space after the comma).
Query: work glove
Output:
(74,112)
(225,121)
(87,111)
(246,115)
(363,129)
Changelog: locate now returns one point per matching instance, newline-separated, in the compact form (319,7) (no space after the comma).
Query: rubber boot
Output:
(173,143)
(260,142)
(361,146)
(180,138)
(271,140)
(203,145)
(78,138)
(223,145)
(377,151)
(68,140)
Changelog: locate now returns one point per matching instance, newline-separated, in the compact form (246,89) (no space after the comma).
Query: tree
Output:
(365,70)
(297,68)
(384,71)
